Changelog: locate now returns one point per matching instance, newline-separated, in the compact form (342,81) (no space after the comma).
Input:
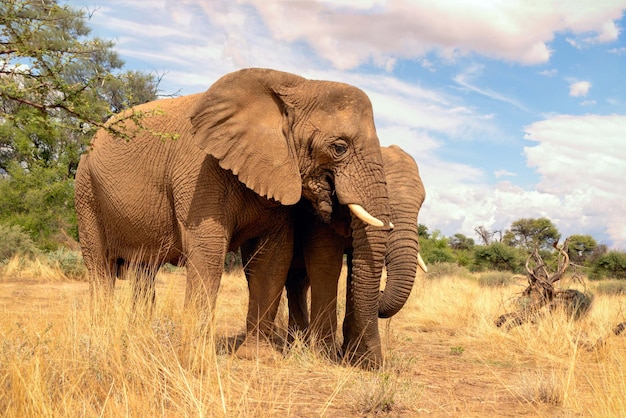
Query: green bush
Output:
(41,201)
(70,263)
(611,265)
(13,241)
(436,250)
(499,257)
(465,258)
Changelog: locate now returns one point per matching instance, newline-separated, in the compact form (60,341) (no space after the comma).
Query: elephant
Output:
(242,154)
(318,257)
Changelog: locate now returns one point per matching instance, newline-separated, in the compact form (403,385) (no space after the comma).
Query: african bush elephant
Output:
(246,150)
(319,249)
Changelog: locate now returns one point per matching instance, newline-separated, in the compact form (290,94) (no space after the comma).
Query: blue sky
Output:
(511,108)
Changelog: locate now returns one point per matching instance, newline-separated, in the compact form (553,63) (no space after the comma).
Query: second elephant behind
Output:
(319,249)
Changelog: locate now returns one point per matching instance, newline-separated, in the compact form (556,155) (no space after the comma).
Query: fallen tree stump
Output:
(540,297)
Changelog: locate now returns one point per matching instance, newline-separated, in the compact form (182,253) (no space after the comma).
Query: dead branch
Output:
(541,292)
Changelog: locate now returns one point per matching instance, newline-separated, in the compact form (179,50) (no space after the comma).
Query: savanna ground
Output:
(443,357)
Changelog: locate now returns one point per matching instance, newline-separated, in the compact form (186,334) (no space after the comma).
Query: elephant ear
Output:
(242,121)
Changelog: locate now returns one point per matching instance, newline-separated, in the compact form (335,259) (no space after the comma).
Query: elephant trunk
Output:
(402,262)
(403,246)
(361,336)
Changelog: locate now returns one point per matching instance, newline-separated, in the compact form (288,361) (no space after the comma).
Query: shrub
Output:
(70,263)
(41,201)
(437,270)
(611,287)
(13,241)
(498,257)
(435,249)
(495,279)
(611,265)
(465,258)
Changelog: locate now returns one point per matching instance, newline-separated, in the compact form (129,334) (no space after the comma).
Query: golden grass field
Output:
(443,357)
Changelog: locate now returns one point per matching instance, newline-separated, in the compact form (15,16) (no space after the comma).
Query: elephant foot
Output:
(365,359)
(257,348)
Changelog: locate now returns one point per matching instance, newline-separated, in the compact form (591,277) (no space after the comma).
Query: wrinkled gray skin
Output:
(319,250)
(250,147)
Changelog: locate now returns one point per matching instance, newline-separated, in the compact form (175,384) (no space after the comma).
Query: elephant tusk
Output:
(364,215)
(420,262)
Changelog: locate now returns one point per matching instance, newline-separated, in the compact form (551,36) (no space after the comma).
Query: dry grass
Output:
(444,357)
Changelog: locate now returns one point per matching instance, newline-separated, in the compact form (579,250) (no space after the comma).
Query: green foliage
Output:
(465,258)
(435,249)
(461,242)
(611,265)
(498,257)
(581,247)
(57,85)
(510,254)
(41,201)
(528,233)
(14,241)
(422,231)
(70,263)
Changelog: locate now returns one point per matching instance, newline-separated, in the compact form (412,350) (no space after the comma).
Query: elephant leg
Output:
(297,286)
(266,264)
(323,260)
(94,247)
(205,252)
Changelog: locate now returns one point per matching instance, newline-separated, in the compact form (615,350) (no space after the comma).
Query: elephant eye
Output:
(339,148)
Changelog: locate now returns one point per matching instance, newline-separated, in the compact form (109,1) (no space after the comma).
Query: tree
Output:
(498,256)
(435,249)
(57,85)
(610,265)
(461,242)
(422,231)
(528,233)
(487,237)
(581,248)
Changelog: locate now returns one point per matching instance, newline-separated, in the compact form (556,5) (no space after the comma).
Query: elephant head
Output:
(286,137)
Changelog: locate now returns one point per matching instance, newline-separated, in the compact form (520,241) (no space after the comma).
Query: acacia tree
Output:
(528,233)
(57,85)
(461,242)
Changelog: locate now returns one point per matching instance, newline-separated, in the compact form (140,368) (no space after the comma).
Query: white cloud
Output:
(581,188)
(579,88)
(504,173)
(350,33)
(581,161)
